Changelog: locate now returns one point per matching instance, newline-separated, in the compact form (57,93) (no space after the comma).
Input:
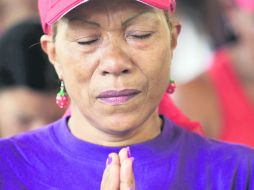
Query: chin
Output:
(120,123)
(124,117)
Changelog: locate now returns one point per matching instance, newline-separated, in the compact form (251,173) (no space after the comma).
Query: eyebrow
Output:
(129,20)
(83,20)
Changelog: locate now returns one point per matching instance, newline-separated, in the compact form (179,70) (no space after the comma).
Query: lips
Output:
(114,97)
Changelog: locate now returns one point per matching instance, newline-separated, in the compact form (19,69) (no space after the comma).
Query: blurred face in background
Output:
(242,22)
(13,11)
(245,25)
(22,109)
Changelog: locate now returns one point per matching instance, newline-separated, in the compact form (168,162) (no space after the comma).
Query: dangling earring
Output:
(171,87)
(61,97)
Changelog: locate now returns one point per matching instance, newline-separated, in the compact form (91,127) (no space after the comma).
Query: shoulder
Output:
(23,153)
(231,166)
(214,150)
(27,144)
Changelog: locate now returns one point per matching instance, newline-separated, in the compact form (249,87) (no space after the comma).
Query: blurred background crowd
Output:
(214,69)
(28,83)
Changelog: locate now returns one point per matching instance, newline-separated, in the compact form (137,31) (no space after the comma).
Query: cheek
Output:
(77,70)
(159,80)
(156,67)
(72,63)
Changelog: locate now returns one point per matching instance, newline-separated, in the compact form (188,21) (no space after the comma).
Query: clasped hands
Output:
(118,174)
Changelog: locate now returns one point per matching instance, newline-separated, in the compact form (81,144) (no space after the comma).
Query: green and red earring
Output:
(62,97)
(171,87)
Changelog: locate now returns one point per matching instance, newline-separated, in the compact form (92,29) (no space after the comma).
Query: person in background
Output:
(14,11)
(113,58)
(188,62)
(222,98)
(27,81)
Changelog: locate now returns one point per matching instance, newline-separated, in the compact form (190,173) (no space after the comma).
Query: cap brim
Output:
(61,8)
(247,5)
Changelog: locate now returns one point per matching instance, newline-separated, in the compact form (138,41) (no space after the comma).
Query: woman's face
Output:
(114,59)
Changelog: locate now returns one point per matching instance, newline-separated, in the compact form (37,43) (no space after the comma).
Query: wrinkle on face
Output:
(109,13)
(147,62)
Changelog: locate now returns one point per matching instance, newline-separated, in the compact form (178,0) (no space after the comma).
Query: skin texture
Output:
(108,45)
(200,91)
(22,109)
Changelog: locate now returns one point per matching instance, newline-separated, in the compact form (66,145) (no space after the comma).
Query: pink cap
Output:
(53,10)
(247,5)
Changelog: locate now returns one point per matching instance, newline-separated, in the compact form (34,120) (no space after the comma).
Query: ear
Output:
(176,30)
(49,47)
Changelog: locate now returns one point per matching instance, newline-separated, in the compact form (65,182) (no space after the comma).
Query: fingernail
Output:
(109,160)
(128,152)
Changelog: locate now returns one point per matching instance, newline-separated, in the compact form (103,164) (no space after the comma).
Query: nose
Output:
(115,61)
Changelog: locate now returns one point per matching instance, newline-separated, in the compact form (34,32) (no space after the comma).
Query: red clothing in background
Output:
(237,110)
(168,109)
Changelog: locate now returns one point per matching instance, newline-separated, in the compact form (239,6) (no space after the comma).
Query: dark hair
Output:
(210,15)
(22,61)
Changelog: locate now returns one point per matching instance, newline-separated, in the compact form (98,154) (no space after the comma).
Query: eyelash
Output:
(88,42)
(139,37)
(143,36)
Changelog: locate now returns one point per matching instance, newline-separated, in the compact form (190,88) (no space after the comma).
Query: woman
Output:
(27,81)
(224,95)
(113,57)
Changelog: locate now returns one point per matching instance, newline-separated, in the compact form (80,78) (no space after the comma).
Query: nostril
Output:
(105,73)
(125,71)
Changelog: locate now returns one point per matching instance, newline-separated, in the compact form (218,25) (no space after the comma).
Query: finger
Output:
(111,175)
(127,180)
(124,154)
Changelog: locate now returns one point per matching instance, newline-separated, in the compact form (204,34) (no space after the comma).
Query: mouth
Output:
(114,97)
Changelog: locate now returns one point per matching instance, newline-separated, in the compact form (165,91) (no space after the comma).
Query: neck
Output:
(83,129)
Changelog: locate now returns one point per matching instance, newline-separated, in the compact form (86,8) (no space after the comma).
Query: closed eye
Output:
(139,35)
(89,42)
(144,36)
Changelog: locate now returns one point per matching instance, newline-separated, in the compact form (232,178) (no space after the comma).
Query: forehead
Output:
(95,8)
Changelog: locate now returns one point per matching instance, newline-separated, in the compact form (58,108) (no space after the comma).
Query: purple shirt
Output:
(51,158)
